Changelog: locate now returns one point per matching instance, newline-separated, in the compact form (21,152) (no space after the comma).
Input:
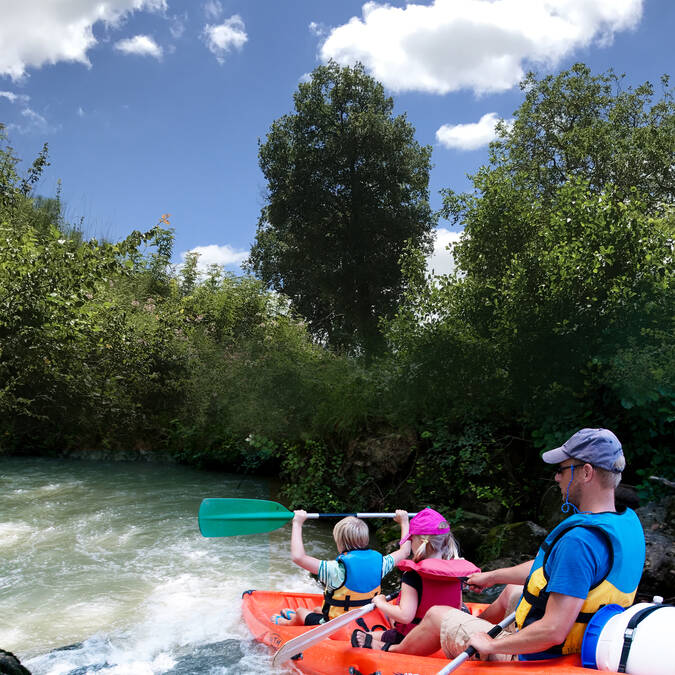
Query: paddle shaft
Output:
(357,515)
(470,651)
(280,515)
(310,638)
(226,517)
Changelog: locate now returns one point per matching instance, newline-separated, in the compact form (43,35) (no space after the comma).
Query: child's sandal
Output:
(367,641)
(288,614)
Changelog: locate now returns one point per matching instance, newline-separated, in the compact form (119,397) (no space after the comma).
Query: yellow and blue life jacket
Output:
(362,583)
(626,543)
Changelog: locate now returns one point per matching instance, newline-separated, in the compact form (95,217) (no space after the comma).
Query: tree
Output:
(347,190)
(575,123)
(561,311)
(566,239)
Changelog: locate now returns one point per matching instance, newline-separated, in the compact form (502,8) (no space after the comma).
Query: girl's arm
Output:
(298,555)
(404,551)
(404,612)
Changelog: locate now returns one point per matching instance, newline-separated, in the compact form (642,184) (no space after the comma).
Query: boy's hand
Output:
(300,516)
(401,516)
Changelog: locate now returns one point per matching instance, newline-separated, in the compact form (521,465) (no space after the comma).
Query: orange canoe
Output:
(336,656)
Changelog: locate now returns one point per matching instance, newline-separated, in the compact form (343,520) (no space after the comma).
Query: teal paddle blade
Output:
(230,517)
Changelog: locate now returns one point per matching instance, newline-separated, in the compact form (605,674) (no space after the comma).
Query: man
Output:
(594,557)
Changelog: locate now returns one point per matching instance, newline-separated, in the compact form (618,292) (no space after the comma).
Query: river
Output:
(103,570)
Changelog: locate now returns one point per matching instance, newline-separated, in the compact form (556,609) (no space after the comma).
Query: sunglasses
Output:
(562,469)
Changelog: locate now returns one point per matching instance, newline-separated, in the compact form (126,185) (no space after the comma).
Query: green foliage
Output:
(560,312)
(576,124)
(313,476)
(347,189)
(460,467)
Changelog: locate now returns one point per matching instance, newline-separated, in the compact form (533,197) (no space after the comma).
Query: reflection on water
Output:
(103,569)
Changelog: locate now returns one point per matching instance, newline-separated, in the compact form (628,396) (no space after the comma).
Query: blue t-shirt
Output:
(578,561)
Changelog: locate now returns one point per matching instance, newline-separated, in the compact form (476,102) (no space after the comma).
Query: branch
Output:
(665,481)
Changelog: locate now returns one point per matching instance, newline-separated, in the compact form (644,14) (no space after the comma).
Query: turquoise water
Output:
(103,570)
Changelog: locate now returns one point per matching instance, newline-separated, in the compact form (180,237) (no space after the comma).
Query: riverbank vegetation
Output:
(419,390)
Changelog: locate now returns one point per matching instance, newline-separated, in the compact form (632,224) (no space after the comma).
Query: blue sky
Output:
(156,106)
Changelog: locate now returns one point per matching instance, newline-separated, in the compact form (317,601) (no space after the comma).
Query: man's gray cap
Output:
(599,447)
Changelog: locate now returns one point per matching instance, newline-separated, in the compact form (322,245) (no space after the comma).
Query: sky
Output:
(157,106)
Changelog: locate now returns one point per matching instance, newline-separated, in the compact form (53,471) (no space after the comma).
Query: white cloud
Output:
(80,111)
(213,9)
(213,254)
(483,45)
(34,33)
(32,122)
(318,29)
(469,136)
(14,98)
(177,25)
(221,39)
(441,260)
(142,45)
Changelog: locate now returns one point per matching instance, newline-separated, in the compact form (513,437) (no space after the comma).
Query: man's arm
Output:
(550,630)
(505,575)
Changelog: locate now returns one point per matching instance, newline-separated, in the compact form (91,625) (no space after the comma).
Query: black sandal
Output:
(362,624)
(367,641)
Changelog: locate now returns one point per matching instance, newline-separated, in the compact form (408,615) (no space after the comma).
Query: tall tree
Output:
(575,123)
(561,311)
(347,190)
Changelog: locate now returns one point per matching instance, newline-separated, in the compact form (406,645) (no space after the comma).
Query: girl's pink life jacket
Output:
(441,585)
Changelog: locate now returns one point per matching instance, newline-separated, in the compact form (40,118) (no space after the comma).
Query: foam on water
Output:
(106,572)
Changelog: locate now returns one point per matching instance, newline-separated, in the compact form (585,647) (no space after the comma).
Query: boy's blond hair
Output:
(351,534)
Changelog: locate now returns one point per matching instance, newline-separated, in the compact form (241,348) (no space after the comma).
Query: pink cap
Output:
(428,522)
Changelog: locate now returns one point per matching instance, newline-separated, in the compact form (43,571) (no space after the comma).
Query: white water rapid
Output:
(103,570)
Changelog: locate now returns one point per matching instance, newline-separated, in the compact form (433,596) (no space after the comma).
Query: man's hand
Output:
(483,644)
(380,600)
(299,516)
(479,581)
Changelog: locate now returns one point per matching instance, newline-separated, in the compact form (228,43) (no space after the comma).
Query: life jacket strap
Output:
(348,602)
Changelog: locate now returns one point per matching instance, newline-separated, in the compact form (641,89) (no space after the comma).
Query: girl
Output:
(353,578)
(430,578)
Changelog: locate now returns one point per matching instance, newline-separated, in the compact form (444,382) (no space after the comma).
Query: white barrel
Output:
(652,651)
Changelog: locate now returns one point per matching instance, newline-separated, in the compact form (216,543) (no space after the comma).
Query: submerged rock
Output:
(10,665)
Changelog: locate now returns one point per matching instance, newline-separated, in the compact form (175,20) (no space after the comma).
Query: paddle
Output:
(470,651)
(300,643)
(230,517)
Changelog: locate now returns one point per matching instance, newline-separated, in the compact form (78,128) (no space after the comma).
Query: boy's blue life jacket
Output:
(362,583)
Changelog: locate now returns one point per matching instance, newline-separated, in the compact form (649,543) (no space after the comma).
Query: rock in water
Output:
(10,665)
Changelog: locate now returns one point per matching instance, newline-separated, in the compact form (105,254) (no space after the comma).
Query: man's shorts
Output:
(457,628)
